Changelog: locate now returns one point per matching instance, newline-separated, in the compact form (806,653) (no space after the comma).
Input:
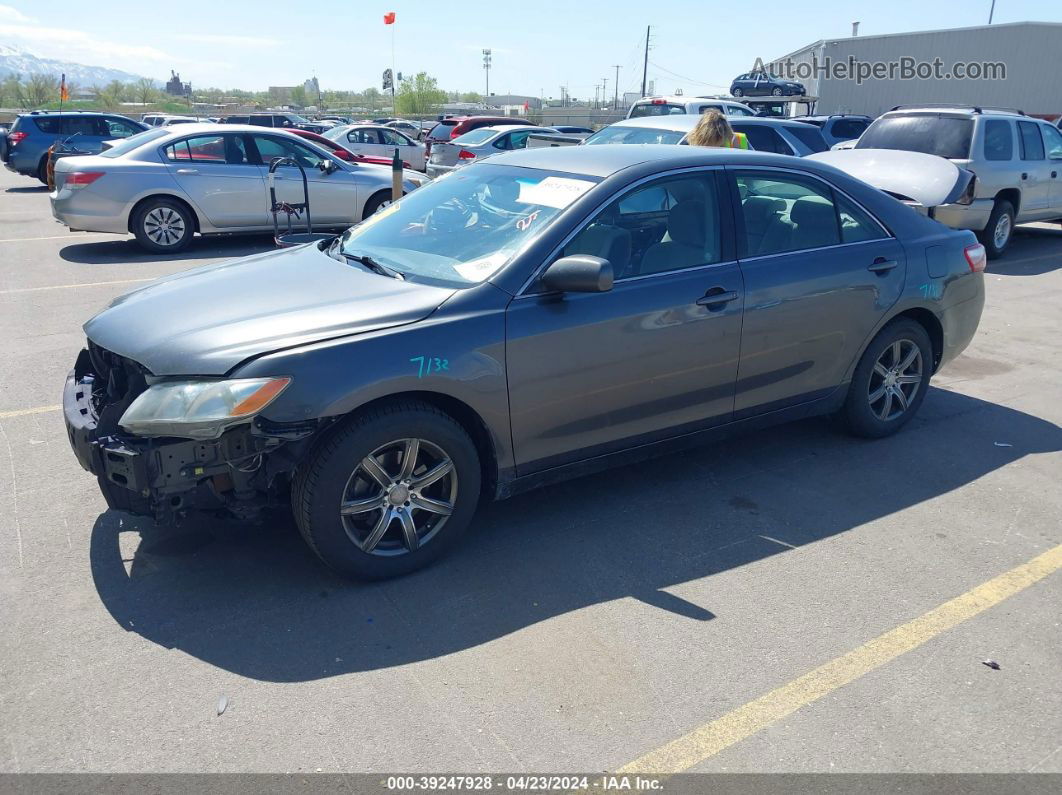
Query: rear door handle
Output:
(1024,175)
(187,171)
(717,296)
(882,265)
(1054,174)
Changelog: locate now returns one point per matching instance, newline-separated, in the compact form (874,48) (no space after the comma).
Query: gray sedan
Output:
(478,144)
(166,184)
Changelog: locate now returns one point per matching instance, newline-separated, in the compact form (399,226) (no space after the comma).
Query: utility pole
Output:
(604,92)
(615,88)
(991,12)
(645,65)
(486,71)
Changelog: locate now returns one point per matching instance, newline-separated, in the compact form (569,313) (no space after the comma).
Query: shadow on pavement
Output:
(28,189)
(110,252)
(253,600)
(1034,250)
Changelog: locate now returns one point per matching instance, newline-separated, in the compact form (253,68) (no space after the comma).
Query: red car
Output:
(450,128)
(340,152)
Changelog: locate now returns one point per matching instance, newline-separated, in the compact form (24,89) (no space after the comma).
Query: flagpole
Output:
(62,90)
(394,74)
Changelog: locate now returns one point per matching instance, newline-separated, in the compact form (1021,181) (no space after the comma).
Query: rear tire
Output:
(776,92)
(891,380)
(371,538)
(996,236)
(163,226)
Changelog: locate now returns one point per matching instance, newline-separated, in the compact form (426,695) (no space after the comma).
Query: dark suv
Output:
(284,120)
(33,133)
(755,84)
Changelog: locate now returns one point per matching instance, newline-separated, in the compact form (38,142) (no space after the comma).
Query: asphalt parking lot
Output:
(794,600)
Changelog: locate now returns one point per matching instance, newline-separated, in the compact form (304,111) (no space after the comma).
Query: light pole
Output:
(615,88)
(991,12)
(486,71)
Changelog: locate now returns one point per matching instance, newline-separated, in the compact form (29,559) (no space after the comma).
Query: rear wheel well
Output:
(168,197)
(467,417)
(1012,195)
(931,324)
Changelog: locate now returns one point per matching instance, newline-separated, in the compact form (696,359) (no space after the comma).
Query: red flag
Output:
(64,93)
(527,105)
(389,18)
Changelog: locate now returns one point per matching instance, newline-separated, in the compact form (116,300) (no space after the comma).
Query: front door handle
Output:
(882,265)
(716,297)
(1054,174)
(187,171)
(1024,175)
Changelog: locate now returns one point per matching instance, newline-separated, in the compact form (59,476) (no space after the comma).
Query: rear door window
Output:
(1032,144)
(207,149)
(945,136)
(999,140)
(651,109)
(764,139)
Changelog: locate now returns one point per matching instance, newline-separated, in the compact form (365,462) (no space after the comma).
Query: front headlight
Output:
(199,409)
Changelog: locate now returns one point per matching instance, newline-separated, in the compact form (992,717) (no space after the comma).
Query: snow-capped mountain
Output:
(14,60)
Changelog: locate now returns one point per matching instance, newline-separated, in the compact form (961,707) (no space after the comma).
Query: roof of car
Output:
(682,100)
(607,159)
(507,127)
(684,122)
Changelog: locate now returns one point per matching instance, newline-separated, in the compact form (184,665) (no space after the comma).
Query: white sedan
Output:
(379,141)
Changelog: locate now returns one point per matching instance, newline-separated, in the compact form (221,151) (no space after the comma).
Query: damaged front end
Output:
(235,463)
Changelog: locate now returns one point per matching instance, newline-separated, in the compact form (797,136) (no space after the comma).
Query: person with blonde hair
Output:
(714,130)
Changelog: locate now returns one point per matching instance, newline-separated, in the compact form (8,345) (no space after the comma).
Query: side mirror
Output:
(578,273)
(327,166)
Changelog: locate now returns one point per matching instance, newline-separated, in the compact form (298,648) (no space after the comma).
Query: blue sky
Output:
(538,45)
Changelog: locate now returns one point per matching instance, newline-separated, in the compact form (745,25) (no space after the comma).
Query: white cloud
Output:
(75,45)
(230,41)
(10,14)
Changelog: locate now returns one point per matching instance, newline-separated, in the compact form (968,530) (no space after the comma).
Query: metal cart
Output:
(290,237)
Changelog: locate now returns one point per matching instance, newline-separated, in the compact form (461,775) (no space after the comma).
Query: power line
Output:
(688,79)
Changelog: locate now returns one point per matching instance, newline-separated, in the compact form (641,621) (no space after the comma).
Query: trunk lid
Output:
(927,180)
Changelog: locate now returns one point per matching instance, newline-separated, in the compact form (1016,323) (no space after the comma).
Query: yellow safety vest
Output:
(740,141)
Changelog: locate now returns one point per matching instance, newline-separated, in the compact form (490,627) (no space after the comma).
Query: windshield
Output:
(135,141)
(476,136)
(298,119)
(460,230)
(945,136)
(634,135)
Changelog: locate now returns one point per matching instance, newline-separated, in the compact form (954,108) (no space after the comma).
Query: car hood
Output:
(207,320)
(926,179)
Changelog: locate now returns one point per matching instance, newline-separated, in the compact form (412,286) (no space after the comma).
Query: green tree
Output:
(298,97)
(419,95)
(145,91)
(470,96)
(10,90)
(39,90)
(370,97)
(113,95)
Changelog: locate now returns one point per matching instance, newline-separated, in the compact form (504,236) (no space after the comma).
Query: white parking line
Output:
(71,286)
(75,236)
(23,412)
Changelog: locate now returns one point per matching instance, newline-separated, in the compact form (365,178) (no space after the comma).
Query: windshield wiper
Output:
(373,265)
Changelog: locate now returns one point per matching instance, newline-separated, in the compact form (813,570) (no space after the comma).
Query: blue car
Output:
(763,84)
(33,133)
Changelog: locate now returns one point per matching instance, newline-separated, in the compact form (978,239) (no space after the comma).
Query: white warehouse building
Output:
(1030,54)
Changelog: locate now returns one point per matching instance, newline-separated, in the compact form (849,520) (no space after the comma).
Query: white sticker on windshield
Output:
(479,270)
(556,192)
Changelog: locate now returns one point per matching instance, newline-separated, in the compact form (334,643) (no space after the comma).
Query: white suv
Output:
(1016,159)
(668,106)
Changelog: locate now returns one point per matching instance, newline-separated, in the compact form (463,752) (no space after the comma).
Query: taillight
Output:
(464,154)
(15,137)
(976,257)
(454,133)
(79,179)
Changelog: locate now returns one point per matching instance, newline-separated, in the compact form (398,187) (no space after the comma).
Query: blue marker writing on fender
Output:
(430,364)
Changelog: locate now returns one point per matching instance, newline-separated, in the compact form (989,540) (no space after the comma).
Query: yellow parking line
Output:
(711,738)
(23,412)
(71,286)
(75,236)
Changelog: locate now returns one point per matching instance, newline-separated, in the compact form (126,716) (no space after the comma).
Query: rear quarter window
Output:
(945,136)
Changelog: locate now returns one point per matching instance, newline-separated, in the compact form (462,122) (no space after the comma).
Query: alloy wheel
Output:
(399,497)
(1001,234)
(896,379)
(164,226)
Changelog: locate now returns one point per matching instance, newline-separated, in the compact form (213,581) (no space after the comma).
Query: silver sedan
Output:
(478,144)
(168,183)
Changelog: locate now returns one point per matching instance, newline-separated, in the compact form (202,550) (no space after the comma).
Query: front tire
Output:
(376,203)
(737,92)
(997,234)
(891,380)
(163,226)
(776,92)
(388,492)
